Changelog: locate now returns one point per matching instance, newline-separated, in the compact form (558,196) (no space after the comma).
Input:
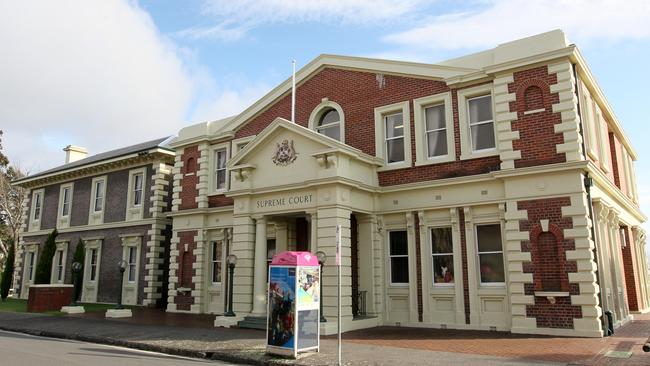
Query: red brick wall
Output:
(42,299)
(189,193)
(630,272)
(549,266)
(537,139)
(185,271)
(219,200)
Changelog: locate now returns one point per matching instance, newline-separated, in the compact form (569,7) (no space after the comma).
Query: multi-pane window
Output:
(490,253)
(30,267)
(329,124)
(65,208)
(59,265)
(394,126)
(132,263)
(399,260)
(216,261)
(442,253)
(93,264)
(137,189)
(220,159)
(481,123)
(99,195)
(436,130)
(37,206)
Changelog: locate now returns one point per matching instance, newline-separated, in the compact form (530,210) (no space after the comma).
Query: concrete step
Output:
(253,322)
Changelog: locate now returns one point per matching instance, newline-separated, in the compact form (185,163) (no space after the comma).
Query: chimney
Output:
(74,153)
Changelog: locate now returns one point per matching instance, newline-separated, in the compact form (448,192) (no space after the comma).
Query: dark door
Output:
(302,234)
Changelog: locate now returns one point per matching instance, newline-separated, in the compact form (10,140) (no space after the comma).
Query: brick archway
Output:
(549,258)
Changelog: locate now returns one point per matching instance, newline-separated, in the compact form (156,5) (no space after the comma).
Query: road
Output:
(24,350)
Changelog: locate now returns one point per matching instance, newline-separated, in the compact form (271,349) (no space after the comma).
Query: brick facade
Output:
(185,259)
(630,271)
(219,200)
(190,179)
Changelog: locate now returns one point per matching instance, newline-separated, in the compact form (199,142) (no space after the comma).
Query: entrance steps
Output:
(253,322)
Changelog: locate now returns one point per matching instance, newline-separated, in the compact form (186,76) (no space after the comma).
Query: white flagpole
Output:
(338,275)
(293,91)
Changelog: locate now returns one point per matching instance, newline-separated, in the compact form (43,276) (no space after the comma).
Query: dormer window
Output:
(328,119)
(329,124)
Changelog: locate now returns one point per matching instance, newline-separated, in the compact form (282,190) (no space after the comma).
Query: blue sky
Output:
(83,72)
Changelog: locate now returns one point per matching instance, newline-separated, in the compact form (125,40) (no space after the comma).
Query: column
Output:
(259,279)
(281,238)
(243,246)
(367,229)
(313,231)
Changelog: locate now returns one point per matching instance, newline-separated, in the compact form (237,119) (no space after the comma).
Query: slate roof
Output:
(141,147)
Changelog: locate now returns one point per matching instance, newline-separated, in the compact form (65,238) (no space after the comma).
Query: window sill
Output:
(551,294)
(436,160)
(479,154)
(394,166)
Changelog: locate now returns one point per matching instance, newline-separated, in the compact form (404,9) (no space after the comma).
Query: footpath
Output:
(382,346)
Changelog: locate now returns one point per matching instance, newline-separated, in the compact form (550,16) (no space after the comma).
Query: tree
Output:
(12,199)
(44,266)
(79,254)
(8,273)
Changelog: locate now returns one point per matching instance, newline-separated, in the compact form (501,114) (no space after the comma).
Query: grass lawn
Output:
(20,306)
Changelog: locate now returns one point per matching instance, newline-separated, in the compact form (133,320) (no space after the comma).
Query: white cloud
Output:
(96,74)
(228,102)
(235,18)
(584,21)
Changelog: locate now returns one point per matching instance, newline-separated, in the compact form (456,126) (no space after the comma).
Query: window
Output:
(220,176)
(329,124)
(216,261)
(270,253)
(137,189)
(394,132)
(442,253)
(31,262)
(99,196)
(132,263)
(399,260)
(65,207)
(490,253)
(436,131)
(59,265)
(93,265)
(393,135)
(37,206)
(481,123)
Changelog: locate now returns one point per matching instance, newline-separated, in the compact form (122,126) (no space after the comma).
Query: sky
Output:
(104,74)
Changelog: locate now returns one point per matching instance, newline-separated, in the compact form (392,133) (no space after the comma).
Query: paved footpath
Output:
(380,346)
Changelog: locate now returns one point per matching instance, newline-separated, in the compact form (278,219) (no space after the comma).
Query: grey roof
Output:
(143,146)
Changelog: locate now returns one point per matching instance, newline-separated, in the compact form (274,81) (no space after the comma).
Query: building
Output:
(493,191)
(115,203)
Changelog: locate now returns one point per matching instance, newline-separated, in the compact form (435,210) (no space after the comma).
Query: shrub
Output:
(44,266)
(8,273)
(79,254)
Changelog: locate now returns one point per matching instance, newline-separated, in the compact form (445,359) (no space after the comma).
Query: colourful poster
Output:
(308,286)
(282,307)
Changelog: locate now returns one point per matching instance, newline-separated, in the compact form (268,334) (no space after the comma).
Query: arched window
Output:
(329,123)
(190,166)
(327,119)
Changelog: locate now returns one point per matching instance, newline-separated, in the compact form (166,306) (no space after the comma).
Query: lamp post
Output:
(322,257)
(76,267)
(122,266)
(232,262)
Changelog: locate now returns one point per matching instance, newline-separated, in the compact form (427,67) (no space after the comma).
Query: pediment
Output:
(285,153)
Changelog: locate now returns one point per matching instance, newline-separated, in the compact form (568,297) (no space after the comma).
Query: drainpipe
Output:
(588,182)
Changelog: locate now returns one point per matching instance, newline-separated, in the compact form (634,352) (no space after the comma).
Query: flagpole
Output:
(293,91)
(338,277)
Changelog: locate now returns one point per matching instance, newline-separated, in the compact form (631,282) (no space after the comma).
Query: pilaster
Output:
(503,119)
(567,107)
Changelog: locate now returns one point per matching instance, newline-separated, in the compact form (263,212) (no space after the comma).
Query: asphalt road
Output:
(24,350)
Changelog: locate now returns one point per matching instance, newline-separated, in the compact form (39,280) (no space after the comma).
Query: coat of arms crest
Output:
(285,154)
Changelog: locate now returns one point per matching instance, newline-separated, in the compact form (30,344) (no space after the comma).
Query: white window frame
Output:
(213,167)
(90,264)
(97,217)
(31,267)
(35,220)
(131,249)
(63,221)
(136,212)
(421,141)
(603,142)
(478,256)
(218,262)
(317,113)
(589,128)
(131,241)
(380,134)
(466,149)
(56,269)
(433,255)
(390,260)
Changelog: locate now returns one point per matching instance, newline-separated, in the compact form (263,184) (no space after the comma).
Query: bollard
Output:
(610,323)
(646,346)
